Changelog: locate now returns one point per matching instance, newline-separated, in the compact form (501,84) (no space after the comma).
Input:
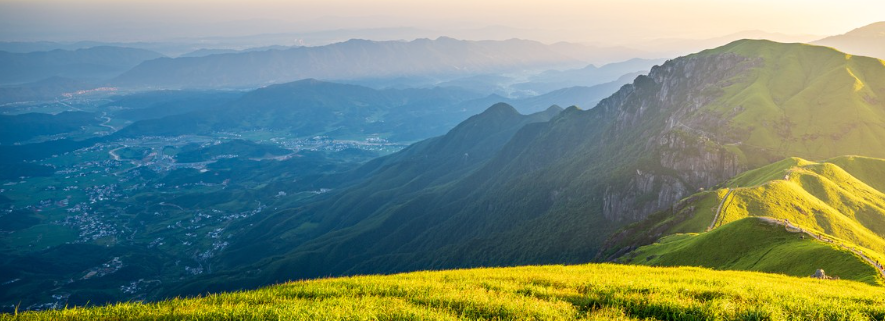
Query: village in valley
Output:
(134,193)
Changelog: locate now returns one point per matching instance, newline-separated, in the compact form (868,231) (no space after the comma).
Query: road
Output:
(105,123)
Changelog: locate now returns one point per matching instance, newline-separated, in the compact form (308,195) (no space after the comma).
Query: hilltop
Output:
(583,292)
(838,203)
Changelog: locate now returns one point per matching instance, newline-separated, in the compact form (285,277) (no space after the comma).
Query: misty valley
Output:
(414,174)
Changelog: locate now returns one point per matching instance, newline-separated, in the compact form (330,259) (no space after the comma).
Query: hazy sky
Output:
(608,22)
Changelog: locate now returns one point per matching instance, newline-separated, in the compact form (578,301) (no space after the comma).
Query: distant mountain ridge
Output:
(868,40)
(313,107)
(352,59)
(95,63)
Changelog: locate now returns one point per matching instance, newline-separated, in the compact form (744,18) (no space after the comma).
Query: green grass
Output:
(841,197)
(582,292)
(824,197)
(803,100)
(754,245)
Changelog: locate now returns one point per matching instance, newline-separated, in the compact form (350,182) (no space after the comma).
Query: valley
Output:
(441,161)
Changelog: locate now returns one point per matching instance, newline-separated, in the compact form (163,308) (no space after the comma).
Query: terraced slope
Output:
(582,292)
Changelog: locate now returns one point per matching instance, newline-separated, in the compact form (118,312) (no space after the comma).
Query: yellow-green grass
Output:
(751,244)
(804,100)
(823,197)
(583,292)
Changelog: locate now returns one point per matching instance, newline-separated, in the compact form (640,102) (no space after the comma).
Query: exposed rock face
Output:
(691,154)
(820,274)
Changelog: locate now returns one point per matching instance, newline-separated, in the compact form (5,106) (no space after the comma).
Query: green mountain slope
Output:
(822,197)
(840,199)
(756,245)
(557,190)
(382,185)
(584,292)
(808,101)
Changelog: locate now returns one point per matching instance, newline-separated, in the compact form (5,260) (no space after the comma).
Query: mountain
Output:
(841,199)
(557,190)
(305,108)
(96,63)
(523,87)
(312,107)
(592,292)
(588,76)
(353,59)
(163,103)
(865,41)
(752,244)
(601,54)
(384,184)
(209,52)
(580,96)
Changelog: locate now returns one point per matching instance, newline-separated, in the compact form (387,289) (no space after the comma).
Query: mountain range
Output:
(95,63)
(353,59)
(556,190)
(755,155)
(868,40)
(312,107)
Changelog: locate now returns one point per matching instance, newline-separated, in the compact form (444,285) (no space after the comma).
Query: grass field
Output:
(751,244)
(804,100)
(582,292)
(842,197)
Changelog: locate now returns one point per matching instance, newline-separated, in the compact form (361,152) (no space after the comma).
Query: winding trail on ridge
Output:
(719,209)
(795,229)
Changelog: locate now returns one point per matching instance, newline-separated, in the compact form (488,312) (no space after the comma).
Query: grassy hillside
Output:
(807,101)
(823,197)
(755,245)
(840,198)
(583,292)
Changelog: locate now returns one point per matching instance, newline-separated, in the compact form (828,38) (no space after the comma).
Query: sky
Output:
(616,22)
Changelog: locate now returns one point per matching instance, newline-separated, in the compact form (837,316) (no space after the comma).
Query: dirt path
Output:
(795,229)
(719,209)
